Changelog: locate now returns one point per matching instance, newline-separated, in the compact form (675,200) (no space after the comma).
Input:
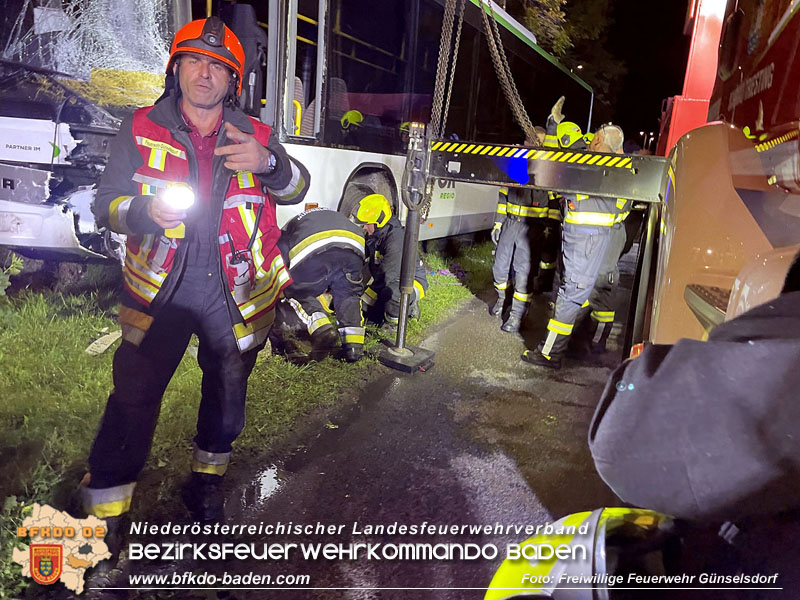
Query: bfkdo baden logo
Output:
(61,547)
(46,562)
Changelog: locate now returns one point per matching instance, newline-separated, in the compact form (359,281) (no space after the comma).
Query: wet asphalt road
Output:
(482,438)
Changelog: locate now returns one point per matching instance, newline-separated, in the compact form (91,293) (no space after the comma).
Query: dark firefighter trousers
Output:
(336,270)
(198,306)
(583,251)
(602,299)
(518,248)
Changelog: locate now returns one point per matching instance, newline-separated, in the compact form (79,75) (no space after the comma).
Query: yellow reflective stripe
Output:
(245,179)
(157,159)
(580,197)
(243,330)
(538,154)
(603,161)
(603,316)
(584,158)
(527,211)
(550,141)
(117,212)
(371,293)
(614,161)
(201,467)
(590,218)
(436,145)
(460,148)
(547,265)
(469,148)
(501,209)
(624,163)
(585,304)
(559,327)
(574,158)
(330,234)
(503,190)
(111,509)
(554,213)
(565,157)
(501,286)
(621,217)
(494,151)
(621,202)
(485,150)
(420,289)
(522,297)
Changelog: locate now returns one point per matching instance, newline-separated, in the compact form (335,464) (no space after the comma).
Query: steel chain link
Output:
(503,71)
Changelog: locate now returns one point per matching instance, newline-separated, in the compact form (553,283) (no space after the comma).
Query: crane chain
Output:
(441,106)
(503,71)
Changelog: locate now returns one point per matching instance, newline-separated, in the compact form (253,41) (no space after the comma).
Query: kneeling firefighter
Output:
(325,253)
(385,236)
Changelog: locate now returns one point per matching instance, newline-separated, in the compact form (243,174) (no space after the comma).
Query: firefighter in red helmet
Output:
(193,182)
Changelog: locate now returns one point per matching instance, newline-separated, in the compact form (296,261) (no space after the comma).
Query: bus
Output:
(351,74)
(730,224)
(338,81)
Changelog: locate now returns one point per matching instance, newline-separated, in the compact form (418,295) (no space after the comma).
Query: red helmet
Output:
(210,37)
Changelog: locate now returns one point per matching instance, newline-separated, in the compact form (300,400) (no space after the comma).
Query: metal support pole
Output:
(413,193)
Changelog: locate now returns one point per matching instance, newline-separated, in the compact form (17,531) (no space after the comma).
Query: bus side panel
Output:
(707,232)
(456,208)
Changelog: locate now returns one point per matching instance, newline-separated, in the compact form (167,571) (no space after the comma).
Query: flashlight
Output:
(179,196)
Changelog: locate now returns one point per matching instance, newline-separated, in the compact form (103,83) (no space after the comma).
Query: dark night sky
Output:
(648,36)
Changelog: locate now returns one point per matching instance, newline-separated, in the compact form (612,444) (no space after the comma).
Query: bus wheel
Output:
(377,180)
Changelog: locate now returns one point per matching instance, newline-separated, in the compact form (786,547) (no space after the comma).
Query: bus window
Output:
(301,89)
(368,67)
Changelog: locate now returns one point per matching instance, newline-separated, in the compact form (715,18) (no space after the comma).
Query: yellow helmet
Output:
(568,133)
(588,137)
(373,208)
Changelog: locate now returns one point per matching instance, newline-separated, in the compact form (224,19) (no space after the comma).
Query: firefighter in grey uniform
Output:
(517,232)
(385,240)
(325,252)
(589,223)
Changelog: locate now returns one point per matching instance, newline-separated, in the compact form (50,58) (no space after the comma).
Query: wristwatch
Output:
(273,162)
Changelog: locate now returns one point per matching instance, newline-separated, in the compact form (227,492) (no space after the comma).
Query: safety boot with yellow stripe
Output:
(535,357)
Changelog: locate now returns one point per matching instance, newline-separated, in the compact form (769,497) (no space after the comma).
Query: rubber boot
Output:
(515,317)
(323,341)
(202,495)
(535,357)
(496,309)
(352,352)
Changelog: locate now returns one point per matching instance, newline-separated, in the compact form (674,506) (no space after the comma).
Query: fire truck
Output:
(729,225)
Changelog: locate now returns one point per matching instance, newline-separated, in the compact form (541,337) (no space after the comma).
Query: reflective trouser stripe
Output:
(601,328)
(547,265)
(108,502)
(369,297)
(325,300)
(352,335)
(603,316)
(500,287)
(213,463)
(522,297)
(559,327)
(552,336)
(585,304)
(318,320)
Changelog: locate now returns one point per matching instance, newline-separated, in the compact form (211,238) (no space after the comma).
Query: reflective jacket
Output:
(317,230)
(521,203)
(385,257)
(152,149)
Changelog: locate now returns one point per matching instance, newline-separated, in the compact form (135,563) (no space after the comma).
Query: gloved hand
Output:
(496,232)
(555,112)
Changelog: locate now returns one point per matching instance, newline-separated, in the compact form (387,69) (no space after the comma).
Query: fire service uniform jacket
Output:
(155,149)
(385,257)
